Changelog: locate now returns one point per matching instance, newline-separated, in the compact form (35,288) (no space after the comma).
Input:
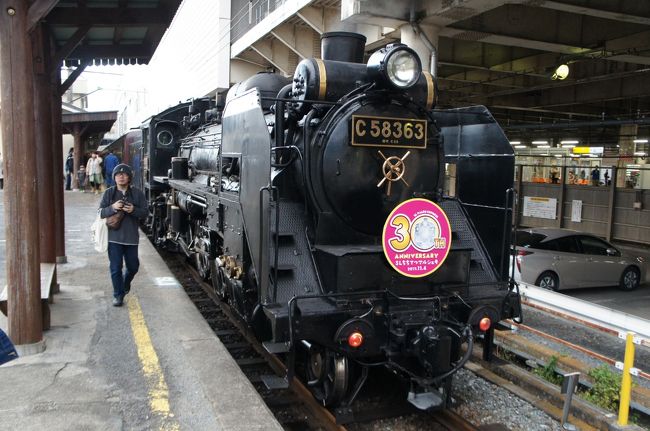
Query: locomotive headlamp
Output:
(396,65)
(403,68)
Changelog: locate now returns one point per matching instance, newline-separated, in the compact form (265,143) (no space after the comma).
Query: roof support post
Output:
(25,322)
(44,144)
(57,131)
(77,134)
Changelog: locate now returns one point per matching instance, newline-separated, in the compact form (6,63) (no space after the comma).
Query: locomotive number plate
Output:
(388,132)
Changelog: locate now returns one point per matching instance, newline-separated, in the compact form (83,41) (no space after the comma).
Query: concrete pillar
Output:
(413,39)
(626,136)
(25,323)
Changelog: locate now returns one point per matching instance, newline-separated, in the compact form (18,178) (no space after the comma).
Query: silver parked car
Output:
(567,259)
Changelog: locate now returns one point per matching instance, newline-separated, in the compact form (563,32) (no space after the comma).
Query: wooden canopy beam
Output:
(72,78)
(109,17)
(70,45)
(37,11)
(111,51)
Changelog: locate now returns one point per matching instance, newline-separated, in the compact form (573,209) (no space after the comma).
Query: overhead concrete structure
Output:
(498,53)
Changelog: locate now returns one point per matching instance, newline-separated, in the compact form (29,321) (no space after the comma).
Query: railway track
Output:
(295,408)
(292,407)
(529,348)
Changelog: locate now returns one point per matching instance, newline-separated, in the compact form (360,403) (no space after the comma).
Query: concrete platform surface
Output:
(153,364)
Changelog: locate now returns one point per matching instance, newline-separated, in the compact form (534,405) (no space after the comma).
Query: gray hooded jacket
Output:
(127,233)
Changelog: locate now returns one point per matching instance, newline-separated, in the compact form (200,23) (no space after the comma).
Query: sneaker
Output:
(117,302)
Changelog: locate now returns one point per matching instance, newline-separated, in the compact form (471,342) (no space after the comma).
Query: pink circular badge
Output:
(416,237)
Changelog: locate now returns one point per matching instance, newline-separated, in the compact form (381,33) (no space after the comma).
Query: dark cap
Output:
(123,168)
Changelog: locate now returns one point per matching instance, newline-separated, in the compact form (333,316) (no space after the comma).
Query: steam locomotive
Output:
(317,208)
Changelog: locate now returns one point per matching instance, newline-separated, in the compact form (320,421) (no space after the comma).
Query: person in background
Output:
(2,173)
(81,178)
(606,175)
(572,178)
(123,241)
(110,161)
(94,172)
(69,169)
(595,176)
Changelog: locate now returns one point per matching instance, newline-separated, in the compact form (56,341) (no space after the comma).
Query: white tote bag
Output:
(100,234)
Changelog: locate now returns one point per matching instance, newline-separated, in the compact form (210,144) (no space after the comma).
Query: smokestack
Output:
(343,46)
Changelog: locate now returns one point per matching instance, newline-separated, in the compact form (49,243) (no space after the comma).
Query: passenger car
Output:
(566,259)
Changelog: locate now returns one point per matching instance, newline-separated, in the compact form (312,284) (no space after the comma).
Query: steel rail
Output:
(453,421)
(584,350)
(592,315)
(320,413)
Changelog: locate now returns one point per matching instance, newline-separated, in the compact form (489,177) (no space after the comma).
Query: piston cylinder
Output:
(179,219)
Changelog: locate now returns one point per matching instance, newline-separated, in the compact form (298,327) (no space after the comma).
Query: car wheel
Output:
(548,280)
(630,279)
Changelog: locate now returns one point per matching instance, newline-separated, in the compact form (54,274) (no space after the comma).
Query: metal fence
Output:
(247,14)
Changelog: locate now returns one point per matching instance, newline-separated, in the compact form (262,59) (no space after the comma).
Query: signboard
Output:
(371,131)
(588,150)
(576,211)
(540,207)
(416,238)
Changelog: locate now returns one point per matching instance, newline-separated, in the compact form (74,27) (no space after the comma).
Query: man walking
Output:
(123,241)
(69,169)
(110,161)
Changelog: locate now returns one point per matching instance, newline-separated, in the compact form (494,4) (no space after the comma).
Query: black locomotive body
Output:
(281,201)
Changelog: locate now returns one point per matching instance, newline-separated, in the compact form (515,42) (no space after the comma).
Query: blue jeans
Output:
(116,254)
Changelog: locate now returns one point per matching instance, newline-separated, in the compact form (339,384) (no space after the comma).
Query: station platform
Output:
(152,364)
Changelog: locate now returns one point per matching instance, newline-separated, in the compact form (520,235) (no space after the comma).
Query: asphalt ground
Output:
(636,302)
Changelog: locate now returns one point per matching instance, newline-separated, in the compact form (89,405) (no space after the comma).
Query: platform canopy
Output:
(92,122)
(104,31)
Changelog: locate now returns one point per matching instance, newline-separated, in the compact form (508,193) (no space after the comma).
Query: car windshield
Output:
(529,239)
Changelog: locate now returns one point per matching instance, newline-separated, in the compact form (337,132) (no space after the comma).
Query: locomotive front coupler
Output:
(434,348)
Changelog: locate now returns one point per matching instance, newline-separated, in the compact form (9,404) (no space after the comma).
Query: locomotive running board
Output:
(275,348)
(273,382)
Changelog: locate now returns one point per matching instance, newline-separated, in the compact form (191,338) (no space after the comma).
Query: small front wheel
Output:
(548,280)
(630,279)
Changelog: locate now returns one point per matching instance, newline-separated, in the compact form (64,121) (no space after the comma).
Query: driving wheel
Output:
(202,252)
(327,375)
